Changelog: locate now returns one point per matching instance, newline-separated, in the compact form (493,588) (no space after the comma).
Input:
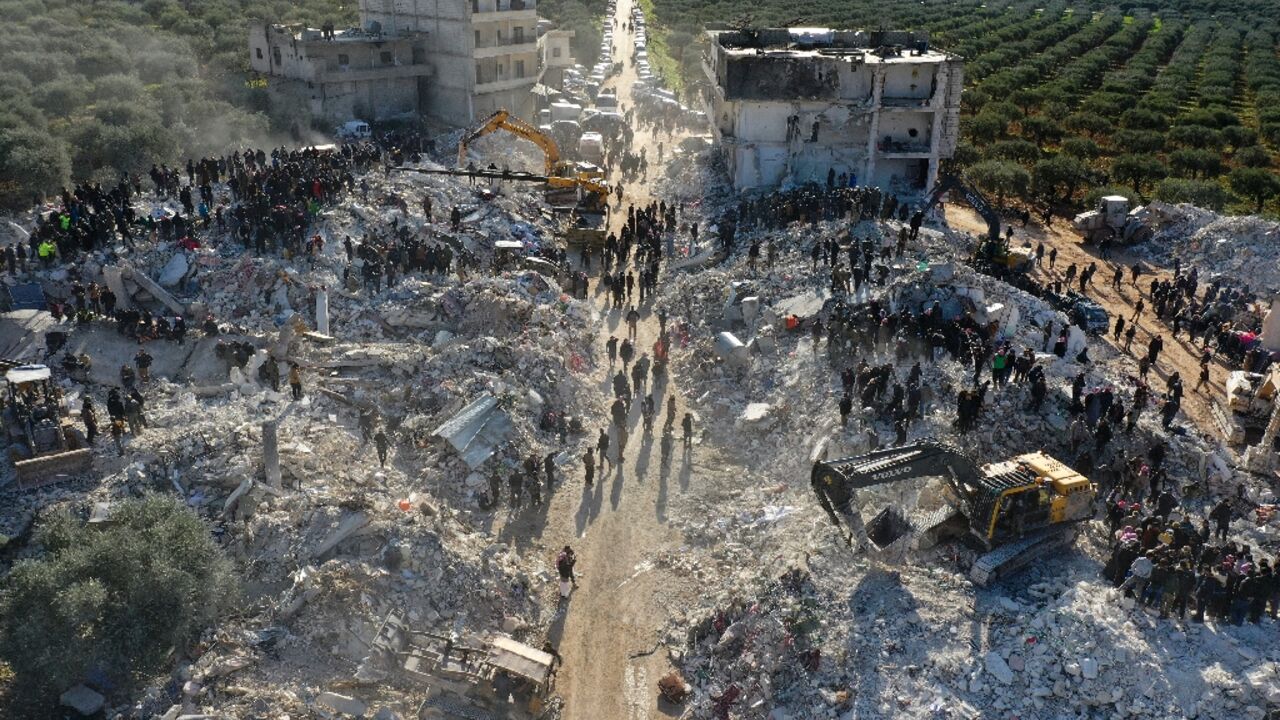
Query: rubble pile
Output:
(1244,248)
(826,642)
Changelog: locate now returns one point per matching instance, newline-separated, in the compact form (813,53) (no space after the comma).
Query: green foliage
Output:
(30,158)
(1080,147)
(1254,156)
(1018,150)
(1203,193)
(1138,170)
(145,82)
(1257,184)
(115,600)
(1059,175)
(1195,163)
(1001,178)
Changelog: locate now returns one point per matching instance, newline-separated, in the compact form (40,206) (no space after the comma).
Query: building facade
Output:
(790,106)
(555,55)
(342,76)
(485,52)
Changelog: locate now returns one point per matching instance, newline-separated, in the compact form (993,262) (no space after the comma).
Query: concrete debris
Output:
(83,700)
(346,706)
(477,431)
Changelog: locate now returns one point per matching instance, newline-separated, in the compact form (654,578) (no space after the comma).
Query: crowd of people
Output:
(1164,561)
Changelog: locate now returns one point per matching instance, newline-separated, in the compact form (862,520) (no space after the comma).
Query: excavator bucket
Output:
(52,468)
(887,527)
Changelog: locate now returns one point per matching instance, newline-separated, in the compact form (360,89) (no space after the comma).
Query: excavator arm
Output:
(971,196)
(835,482)
(504,120)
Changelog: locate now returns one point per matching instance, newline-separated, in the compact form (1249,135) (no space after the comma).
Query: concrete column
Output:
(271,452)
(322,311)
(877,92)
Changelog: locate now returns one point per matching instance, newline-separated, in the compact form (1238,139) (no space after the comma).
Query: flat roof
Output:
(798,42)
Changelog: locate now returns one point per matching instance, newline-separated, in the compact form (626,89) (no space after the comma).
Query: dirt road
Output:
(1181,355)
(608,629)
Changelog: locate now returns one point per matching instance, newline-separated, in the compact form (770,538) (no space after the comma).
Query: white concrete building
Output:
(790,105)
(350,75)
(484,52)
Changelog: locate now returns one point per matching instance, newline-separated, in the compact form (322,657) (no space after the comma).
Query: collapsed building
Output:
(454,61)
(796,105)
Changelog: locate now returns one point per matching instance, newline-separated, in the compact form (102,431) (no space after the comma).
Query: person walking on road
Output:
(611,347)
(633,317)
(565,563)
(687,426)
(602,445)
(589,467)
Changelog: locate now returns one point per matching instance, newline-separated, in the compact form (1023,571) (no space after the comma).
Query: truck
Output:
(1013,511)
(41,441)
(1113,220)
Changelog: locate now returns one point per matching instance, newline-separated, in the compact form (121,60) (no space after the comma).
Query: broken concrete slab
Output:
(83,700)
(348,527)
(342,703)
(175,270)
(153,287)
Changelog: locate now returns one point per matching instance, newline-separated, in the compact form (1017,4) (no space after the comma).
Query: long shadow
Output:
(583,516)
(686,469)
(615,488)
(878,594)
(642,456)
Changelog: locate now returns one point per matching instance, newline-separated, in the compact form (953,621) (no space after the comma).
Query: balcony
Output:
(891,103)
(903,148)
(486,10)
(504,84)
(377,72)
(505,47)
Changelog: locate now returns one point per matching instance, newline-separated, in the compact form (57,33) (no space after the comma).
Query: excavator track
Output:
(1015,555)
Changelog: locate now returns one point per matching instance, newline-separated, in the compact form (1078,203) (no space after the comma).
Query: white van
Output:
(354,130)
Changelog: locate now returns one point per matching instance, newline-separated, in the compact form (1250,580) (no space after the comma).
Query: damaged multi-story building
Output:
(797,105)
(454,60)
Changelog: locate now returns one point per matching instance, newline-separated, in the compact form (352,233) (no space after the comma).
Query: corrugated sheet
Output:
(477,431)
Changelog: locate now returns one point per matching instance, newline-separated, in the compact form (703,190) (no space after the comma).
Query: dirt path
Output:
(1180,355)
(609,627)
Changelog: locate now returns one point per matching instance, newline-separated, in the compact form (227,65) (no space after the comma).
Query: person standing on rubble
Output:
(90,419)
(295,380)
(380,441)
(143,361)
(687,425)
(514,483)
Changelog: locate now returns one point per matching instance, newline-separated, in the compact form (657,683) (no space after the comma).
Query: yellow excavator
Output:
(590,188)
(560,173)
(1016,511)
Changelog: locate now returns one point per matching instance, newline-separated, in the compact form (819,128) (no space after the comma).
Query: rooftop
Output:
(870,47)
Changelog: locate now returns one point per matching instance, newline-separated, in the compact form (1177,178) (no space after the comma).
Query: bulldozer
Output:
(42,443)
(1112,220)
(1014,511)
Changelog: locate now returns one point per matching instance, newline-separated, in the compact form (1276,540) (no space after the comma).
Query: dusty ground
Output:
(1181,355)
(608,629)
